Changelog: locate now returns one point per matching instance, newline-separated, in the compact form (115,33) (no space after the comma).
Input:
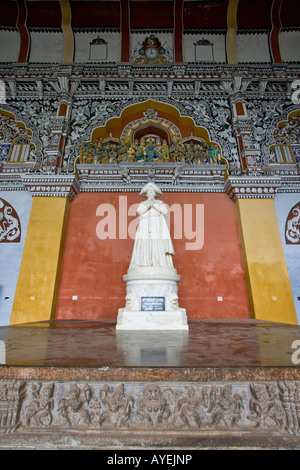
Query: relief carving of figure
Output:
(188,407)
(118,406)
(73,408)
(153,407)
(265,406)
(40,409)
(227,408)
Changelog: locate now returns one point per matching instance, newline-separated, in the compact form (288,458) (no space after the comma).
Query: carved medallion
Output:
(10,225)
(292,226)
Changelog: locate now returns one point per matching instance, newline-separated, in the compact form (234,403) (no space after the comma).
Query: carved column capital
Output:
(57,185)
(252,187)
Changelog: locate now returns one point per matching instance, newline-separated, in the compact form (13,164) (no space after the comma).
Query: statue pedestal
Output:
(152,300)
(162,320)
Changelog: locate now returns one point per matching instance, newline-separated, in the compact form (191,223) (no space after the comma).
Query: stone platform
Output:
(82,384)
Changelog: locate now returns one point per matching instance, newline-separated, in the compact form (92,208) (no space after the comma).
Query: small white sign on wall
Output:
(204,51)
(98,49)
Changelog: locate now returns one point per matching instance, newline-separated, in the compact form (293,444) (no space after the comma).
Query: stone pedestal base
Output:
(152,300)
(174,320)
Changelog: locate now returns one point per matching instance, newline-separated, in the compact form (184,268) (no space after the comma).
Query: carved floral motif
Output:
(10,226)
(292,226)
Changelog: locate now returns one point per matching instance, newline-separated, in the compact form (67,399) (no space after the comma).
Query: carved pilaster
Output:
(59,126)
(243,128)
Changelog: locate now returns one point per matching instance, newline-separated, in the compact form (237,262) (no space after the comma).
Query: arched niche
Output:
(149,131)
(162,117)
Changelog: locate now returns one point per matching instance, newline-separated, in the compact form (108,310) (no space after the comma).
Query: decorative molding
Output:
(11,175)
(289,176)
(57,185)
(94,70)
(169,176)
(241,187)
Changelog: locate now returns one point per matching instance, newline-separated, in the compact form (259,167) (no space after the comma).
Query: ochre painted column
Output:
(36,292)
(269,288)
(231,31)
(66,26)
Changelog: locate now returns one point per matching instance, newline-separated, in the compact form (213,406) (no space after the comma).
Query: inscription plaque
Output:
(153,304)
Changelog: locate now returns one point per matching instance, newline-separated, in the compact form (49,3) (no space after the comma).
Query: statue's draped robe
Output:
(153,245)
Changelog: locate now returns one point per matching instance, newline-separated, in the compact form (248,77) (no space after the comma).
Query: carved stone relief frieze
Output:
(250,407)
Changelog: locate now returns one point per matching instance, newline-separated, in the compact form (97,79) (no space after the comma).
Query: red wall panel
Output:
(92,268)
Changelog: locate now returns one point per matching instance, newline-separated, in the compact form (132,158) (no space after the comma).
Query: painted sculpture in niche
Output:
(153,245)
(194,151)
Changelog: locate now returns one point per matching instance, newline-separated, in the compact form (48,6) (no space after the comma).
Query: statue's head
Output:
(150,189)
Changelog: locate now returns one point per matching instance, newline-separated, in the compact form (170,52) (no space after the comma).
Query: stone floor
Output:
(97,344)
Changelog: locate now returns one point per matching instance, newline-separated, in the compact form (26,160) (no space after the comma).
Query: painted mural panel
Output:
(288,213)
(98,248)
(14,214)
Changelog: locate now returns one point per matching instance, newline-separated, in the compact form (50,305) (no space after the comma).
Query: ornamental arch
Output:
(149,131)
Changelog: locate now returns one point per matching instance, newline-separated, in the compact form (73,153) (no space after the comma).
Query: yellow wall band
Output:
(67,30)
(36,292)
(270,293)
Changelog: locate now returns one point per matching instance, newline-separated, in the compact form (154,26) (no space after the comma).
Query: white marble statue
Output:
(151,280)
(153,245)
